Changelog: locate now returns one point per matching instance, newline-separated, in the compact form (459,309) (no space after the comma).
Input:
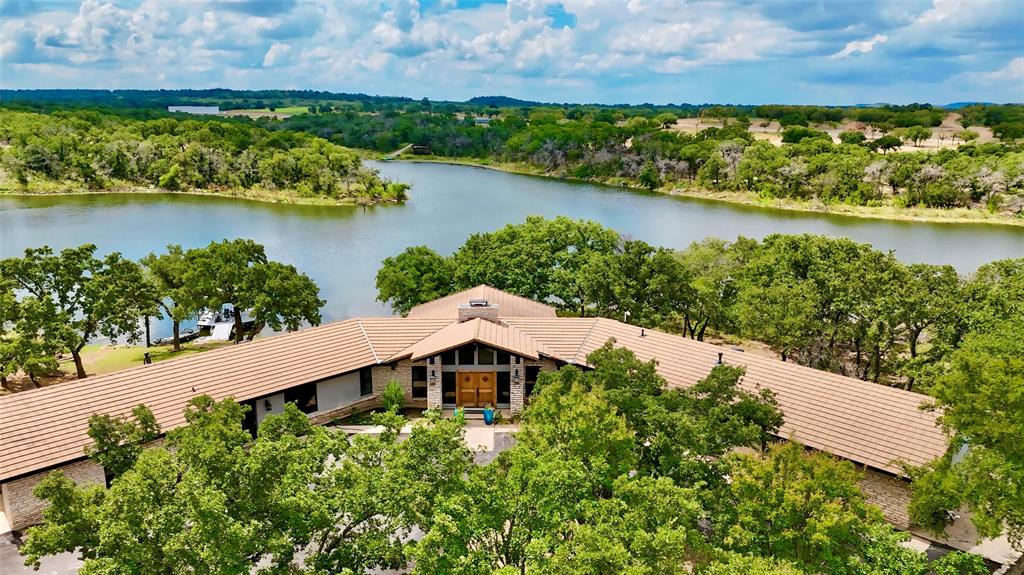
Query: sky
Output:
(837,52)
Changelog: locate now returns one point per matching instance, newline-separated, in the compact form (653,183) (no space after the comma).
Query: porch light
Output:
(515,375)
(432,379)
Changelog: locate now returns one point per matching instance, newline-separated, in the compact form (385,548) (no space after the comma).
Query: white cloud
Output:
(646,50)
(861,46)
(276,54)
(1012,72)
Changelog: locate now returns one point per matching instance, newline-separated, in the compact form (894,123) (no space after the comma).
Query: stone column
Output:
(435,396)
(517,384)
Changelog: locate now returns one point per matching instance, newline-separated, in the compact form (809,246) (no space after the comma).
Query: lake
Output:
(342,247)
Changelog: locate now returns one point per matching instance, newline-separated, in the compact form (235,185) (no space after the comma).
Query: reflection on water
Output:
(341,247)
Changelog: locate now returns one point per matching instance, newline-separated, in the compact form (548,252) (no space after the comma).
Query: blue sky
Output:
(744,51)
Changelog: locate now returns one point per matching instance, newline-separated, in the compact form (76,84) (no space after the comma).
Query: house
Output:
(477,347)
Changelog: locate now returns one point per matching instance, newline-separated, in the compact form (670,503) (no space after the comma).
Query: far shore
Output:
(889,212)
(253,194)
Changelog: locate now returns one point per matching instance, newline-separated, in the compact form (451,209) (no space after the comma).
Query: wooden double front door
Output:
(477,388)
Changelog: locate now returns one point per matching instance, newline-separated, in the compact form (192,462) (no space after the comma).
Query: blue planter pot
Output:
(488,416)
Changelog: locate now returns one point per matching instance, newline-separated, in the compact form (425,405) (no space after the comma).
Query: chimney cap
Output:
(478,303)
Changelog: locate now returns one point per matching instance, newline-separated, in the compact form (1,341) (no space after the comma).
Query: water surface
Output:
(342,247)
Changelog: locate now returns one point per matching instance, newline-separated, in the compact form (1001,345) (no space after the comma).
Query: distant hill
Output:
(958,105)
(501,101)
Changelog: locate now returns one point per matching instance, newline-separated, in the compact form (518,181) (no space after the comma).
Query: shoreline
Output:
(255,195)
(889,213)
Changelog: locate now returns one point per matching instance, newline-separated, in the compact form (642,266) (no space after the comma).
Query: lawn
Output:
(288,110)
(101,359)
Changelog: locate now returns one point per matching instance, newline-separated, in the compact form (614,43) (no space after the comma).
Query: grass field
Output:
(283,111)
(101,359)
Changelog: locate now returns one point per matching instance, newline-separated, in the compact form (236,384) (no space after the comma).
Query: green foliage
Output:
(982,401)
(959,563)
(415,276)
(580,425)
(29,331)
(649,176)
(852,137)
(215,501)
(118,441)
(798,507)
(735,564)
(650,284)
(105,150)
(175,293)
(72,297)
(393,396)
(796,133)
(237,272)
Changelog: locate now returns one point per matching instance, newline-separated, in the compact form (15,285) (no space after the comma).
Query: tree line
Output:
(611,472)
(100,150)
(54,303)
(613,146)
(832,304)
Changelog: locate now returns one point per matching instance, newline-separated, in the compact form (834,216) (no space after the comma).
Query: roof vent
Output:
(720,358)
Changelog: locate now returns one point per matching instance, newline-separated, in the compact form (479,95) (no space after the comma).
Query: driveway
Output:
(12,563)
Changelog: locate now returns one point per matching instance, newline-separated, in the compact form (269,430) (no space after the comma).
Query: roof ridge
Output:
(369,343)
(584,341)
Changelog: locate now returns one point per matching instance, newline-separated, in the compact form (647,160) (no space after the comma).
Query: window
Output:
(504,387)
(303,396)
(419,381)
(485,356)
(532,371)
(249,420)
(448,387)
(448,357)
(503,358)
(365,381)
(466,355)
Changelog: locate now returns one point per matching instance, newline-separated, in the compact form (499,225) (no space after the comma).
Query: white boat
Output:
(220,323)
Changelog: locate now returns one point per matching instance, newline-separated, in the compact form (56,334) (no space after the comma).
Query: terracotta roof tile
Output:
(867,423)
(44,427)
(503,337)
(509,305)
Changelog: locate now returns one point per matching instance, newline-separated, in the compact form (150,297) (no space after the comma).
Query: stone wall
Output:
(892,495)
(402,373)
(434,391)
(517,385)
(23,509)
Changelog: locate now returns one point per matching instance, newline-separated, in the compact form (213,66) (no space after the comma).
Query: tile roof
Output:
(871,424)
(509,305)
(865,422)
(47,426)
(504,337)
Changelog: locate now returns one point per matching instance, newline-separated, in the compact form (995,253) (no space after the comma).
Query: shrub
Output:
(393,396)
(794,134)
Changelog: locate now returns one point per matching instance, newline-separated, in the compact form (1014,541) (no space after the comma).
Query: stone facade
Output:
(24,509)
(435,397)
(517,385)
(889,493)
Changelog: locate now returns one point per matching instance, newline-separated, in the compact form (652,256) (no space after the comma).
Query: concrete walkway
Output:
(12,563)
